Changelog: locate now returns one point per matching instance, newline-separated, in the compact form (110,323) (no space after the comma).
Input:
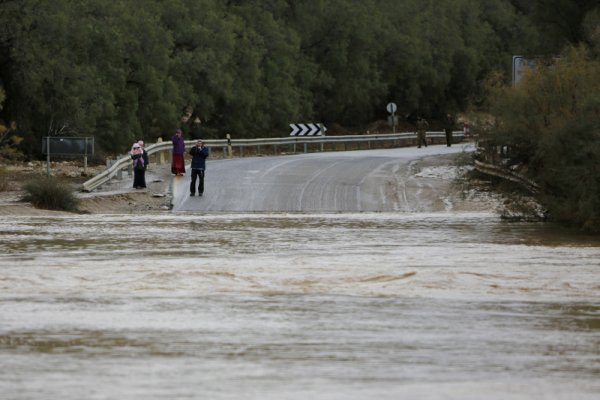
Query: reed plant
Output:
(50,193)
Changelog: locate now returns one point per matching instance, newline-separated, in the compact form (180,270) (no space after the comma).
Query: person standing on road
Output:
(139,169)
(178,162)
(422,126)
(449,123)
(199,153)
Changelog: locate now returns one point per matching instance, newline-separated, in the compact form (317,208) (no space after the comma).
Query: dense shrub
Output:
(551,125)
(50,193)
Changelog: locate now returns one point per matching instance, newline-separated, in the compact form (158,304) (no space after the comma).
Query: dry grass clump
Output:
(50,193)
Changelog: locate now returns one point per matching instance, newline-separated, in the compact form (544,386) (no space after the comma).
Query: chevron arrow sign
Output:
(307,129)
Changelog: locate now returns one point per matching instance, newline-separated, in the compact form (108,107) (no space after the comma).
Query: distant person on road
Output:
(199,153)
(422,126)
(139,169)
(449,123)
(178,162)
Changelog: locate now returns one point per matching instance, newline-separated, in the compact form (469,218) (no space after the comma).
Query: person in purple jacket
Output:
(178,162)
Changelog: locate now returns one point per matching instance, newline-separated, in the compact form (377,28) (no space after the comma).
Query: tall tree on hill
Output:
(91,68)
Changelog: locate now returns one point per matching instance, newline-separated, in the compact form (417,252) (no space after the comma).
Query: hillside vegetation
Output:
(140,68)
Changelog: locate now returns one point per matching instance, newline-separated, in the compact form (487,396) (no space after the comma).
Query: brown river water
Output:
(297,306)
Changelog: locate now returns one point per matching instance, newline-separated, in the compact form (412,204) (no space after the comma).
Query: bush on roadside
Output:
(550,123)
(50,193)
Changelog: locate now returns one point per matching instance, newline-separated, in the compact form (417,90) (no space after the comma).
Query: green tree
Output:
(266,96)
(439,53)
(552,125)
(237,65)
(203,43)
(89,68)
(562,21)
(139,69)
(344,41)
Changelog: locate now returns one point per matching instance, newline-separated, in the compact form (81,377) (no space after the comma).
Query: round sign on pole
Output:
(391,108)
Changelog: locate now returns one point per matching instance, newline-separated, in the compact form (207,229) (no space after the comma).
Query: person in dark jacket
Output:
(422,126)
(199,153)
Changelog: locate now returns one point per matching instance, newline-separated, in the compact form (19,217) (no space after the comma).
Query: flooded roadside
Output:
(352,306)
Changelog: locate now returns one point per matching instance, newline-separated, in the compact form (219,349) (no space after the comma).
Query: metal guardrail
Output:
(507,174)
(125,161)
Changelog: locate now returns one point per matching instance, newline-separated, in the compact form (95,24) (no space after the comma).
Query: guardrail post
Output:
(229,149)
(305,147)
(160,157)
(109,163)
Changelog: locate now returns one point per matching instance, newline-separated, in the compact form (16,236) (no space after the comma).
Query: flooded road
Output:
(379,180)
(297,306)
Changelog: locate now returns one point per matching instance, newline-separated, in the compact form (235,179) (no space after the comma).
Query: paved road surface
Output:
(353,181)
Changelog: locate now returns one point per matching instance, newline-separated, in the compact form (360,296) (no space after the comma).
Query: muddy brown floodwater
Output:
(430,305)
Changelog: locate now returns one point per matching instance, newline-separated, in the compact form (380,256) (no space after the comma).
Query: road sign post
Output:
(309,129)
(229,149)
(391,108)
